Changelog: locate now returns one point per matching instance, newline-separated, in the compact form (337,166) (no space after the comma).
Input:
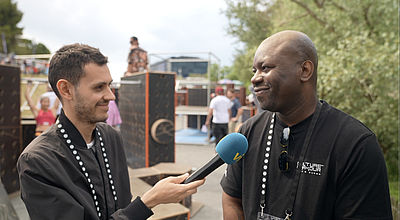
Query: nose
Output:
(257,78)
(110,95)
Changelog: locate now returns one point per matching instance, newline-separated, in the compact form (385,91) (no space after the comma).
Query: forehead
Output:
(96,73)
(44,98)
(274,51)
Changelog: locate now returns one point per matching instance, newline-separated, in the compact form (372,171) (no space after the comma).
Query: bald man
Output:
(306,159)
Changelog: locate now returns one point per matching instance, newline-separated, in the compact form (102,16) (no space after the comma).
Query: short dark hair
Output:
(69,61)
(134,38)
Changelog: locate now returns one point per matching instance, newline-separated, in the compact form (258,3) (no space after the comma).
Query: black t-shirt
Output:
(343,174)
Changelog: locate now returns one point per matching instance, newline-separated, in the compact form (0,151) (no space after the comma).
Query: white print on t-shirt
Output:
(311,168)
(267,217)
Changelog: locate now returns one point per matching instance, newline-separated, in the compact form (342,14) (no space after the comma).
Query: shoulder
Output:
(141,50)
(107,130)
(349,136)
(43,150)
(345,123)
(111,135)
(256,123)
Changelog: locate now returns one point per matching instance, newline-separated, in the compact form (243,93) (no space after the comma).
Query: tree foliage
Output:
(10,16)
(26,46)
(357,43)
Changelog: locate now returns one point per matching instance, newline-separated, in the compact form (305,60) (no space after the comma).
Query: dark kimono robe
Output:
(54,187)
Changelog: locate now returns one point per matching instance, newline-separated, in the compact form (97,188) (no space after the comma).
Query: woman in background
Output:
(44,116)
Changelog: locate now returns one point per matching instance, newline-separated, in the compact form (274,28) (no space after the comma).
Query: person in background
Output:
(137,58)
(210,134)
(53,97)
(219,111)
(236,110)
(45,116)
(306,159)
(77,169)
(114,118)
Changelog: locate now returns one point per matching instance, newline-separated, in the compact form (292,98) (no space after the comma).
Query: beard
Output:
(87,113)
(265,103)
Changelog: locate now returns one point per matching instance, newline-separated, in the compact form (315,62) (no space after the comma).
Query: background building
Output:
(182,65)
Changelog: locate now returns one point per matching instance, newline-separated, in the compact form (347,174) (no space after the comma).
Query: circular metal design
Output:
(163,131)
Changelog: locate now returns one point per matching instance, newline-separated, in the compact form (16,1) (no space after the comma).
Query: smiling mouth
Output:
(260,89)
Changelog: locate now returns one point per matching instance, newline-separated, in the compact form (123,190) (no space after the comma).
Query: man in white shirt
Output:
(220,109)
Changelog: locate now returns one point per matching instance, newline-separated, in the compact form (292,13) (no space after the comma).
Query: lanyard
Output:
(295,182)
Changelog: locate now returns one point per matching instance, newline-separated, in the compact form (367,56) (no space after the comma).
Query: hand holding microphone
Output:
(230,149)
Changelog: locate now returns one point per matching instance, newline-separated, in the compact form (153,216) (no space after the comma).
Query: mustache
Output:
(261,84)
(103,102)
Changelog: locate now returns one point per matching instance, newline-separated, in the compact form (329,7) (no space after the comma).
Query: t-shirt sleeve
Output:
(363,191)
(231,104)
(212,103)
(231,181)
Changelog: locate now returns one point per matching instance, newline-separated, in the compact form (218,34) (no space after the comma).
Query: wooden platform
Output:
(142,180)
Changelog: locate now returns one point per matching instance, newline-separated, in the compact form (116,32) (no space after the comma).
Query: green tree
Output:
(26,46)
(10,16)
(357,43)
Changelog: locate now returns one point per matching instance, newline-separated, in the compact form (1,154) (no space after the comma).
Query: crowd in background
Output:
(28,66)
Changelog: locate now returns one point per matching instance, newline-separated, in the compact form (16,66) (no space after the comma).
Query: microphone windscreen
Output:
(232,147)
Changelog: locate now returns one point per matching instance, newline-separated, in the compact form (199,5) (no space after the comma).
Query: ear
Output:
(65,88)
(307,70)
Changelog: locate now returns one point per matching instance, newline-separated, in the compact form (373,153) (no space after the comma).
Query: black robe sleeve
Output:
(44,199)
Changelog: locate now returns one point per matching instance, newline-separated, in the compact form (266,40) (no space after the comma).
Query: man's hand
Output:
(170,190)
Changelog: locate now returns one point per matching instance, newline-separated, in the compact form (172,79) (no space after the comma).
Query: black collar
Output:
(74,135)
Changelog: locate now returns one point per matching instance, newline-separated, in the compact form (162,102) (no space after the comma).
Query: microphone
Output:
(230,149)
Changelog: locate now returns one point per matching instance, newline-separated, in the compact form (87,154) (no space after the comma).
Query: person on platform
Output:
(306,159)
(77,169)
(137,58)
(236,110)
(219,111)
(44,116)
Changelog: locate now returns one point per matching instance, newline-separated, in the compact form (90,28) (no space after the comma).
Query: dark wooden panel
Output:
(162,118)
(197,97)
(10,149)
(9,96)
(10,129)
(161,112)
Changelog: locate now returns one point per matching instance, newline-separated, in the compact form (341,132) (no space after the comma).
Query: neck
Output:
(299,113)
(84,128)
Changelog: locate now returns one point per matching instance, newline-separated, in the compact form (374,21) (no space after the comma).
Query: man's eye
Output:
(266,68)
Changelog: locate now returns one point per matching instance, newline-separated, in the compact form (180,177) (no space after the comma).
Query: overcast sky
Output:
(162,26)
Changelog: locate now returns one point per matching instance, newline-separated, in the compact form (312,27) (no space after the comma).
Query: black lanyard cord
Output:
(295,182)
